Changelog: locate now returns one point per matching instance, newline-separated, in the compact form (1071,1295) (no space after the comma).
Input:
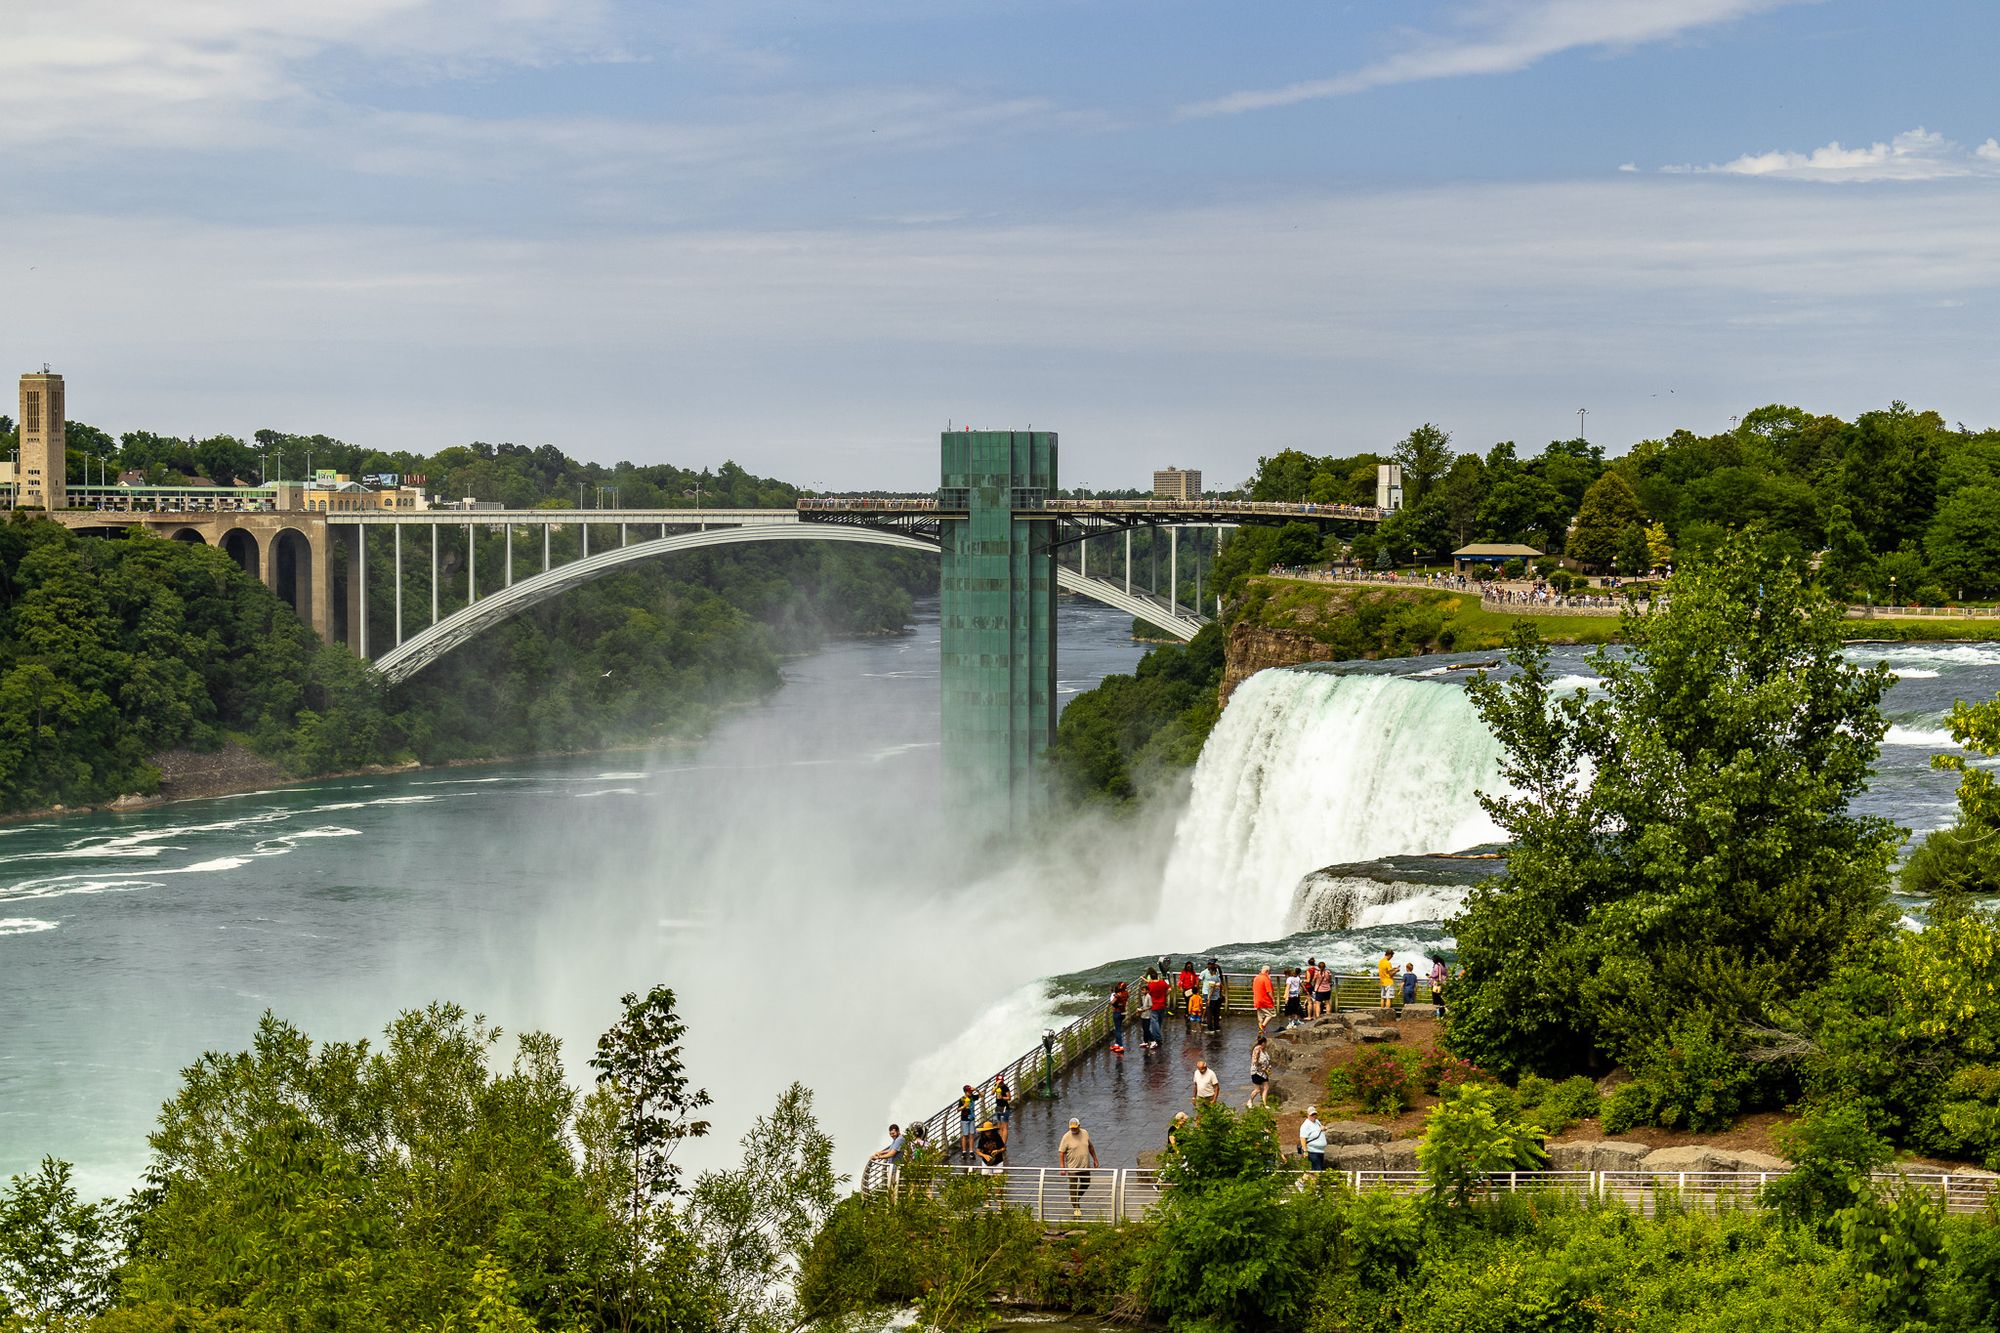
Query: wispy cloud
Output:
(1917,155)
(1501,37)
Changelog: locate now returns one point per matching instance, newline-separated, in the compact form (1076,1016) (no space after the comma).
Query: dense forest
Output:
(114,650)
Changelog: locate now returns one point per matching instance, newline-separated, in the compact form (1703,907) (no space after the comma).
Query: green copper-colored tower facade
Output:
(997,588)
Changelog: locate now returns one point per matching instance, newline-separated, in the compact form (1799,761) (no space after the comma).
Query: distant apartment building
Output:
(338,493)
(42,479)
(1177,484)
(1389,487)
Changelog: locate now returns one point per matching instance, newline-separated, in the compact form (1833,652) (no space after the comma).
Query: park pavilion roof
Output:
(1495,551)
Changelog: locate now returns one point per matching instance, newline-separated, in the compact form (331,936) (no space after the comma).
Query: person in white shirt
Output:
(1207,1087)
(1312,1139)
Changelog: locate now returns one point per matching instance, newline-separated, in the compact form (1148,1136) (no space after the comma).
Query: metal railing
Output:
(1052,1194)
(1028,1073)
(930,503)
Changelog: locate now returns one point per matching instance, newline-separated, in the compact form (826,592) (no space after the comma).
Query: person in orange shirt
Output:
(1263,998)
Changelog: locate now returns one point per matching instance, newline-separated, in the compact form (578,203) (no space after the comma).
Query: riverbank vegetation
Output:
(438,1179)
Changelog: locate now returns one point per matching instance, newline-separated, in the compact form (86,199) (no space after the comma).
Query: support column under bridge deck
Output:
(997,593)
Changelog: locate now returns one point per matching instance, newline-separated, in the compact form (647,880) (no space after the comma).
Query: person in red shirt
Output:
(1190,986)
(1156,1007)
(1263,998)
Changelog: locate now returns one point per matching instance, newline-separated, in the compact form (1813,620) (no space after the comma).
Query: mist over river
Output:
(789,876)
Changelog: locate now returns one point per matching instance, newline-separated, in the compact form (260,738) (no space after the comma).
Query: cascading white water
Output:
(1308,769)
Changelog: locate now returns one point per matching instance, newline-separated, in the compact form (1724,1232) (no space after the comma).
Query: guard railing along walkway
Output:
(1052,1194)
(1079,1037)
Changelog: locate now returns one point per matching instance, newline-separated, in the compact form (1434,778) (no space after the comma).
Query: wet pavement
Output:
(1127,1102)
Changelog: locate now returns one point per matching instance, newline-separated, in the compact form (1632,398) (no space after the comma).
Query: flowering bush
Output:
(1439,1071)
(1378,1078)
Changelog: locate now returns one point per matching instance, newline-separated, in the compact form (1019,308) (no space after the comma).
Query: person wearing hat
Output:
(991,1145)
(1077,1156)
(968,1111)
(1312,1139)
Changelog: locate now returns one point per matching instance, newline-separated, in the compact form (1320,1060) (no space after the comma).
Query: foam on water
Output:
(1308,769)
(24,925)
(1915,673)
(1928,738)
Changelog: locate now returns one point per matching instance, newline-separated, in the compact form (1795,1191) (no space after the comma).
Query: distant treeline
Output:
(1892,495)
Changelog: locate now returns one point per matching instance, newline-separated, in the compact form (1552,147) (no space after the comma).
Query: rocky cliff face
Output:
(1251,648)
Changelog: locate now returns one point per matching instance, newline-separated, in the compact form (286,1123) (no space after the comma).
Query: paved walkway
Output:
(1127,1102)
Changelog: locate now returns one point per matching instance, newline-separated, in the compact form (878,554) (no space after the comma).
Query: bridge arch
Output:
(240,545)
(188,535)
(420,650)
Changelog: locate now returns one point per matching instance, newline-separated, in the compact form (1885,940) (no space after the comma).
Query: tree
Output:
(58,1256)
(640,1058)
(755,1223)
(1682,843)
(1659,546)
(1426,455)
(1471,1134)
(1609,509)
(1963,541)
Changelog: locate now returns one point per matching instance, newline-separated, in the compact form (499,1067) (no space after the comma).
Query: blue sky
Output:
(806,235)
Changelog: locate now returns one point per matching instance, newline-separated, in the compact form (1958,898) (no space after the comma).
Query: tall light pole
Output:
(1579,422)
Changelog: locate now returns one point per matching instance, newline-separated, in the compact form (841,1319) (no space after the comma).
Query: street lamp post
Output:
(1892,590)
(1579,422)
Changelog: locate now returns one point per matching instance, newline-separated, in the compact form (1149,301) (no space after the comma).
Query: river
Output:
(788,875)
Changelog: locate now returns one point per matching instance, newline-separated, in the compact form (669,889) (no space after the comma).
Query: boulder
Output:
(1597,1155)
(1750,1160)
(1376,1032)
(1687,1157)
(1612,1080)
(1399,1155)
(1354,1157)
(1354,1131)
(1288,1087)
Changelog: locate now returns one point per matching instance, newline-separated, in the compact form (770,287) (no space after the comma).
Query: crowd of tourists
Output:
(1196,993)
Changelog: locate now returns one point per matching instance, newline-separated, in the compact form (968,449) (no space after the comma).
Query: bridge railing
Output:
(1053,1194)
(844,504)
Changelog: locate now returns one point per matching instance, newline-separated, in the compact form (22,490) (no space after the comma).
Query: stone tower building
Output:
(42,482)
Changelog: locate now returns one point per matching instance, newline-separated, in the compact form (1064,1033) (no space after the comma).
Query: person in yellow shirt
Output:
(1386,970)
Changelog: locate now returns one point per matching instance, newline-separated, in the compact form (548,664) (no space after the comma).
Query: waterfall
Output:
(1308,769)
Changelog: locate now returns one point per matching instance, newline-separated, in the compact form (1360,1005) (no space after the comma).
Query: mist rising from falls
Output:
(1308,769)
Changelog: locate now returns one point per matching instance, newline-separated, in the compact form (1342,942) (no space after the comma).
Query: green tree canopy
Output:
(1682,842)
(1610,508)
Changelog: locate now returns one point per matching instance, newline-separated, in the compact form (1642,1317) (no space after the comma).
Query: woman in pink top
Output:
(1262,998)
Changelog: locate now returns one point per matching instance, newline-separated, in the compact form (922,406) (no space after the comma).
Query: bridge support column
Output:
(399,584)
(434,573)
(997,588)
(1128,562)
(1173,569)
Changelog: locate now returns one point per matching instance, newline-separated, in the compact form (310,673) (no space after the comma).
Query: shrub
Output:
(1223,1258)
(1532,1088)
(1472,1133)
(1972,1111)
(1628,1105)
(1694,1079)
(1567,1102)
(1833,1150)
(1438,1069)
(1377,1078)
(1513,569)
(1221,1145)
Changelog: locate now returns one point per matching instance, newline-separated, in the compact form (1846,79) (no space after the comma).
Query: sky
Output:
(810,235)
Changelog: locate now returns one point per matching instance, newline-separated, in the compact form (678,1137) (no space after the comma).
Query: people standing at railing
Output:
(1076,1155)
(1188,983)
(1213,989)
(1386,972)
(968,1110)
(1437,988)
(1121,996)
(991,1146)
(1260,1073)
(1312,1139)
(1323,991)
(1263,998)
(1409,985)
(1156,1008)
(1295,994)
(1003,1104)
(894,1151)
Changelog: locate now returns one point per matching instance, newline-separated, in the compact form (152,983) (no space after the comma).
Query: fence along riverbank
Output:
(1115,1197)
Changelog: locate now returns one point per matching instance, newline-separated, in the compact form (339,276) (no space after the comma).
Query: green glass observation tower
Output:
(997,589)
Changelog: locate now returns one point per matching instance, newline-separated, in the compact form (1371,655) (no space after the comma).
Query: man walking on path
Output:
(1386,970)
(1207,1087)
(1077,1156)
(1312,1139)
(1262,999)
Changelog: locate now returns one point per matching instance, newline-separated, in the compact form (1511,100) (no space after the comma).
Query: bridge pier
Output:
(997,588)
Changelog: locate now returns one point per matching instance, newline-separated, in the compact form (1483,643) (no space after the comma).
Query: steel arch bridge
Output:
(427,646)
